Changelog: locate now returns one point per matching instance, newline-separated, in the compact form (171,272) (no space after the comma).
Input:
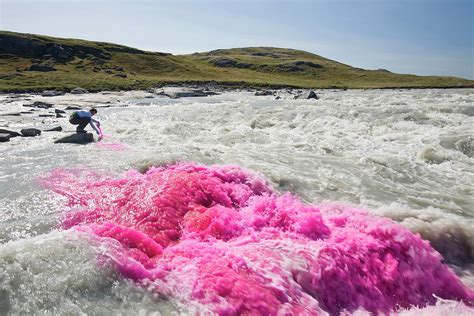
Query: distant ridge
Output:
(31,62)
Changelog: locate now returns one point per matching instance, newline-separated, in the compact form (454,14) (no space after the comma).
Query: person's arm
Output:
(94,124)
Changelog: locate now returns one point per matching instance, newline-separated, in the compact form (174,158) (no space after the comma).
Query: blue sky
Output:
(425,37)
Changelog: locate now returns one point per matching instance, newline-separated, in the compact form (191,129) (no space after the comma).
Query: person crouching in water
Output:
(82,118)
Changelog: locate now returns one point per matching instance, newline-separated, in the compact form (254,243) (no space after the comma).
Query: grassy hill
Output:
(33,63)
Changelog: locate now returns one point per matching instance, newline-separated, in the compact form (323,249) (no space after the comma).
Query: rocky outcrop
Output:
(30,46)
(263,93)
(307,95)
(30,132)
(39,105)
(80,138)
(227,62)
(54,129)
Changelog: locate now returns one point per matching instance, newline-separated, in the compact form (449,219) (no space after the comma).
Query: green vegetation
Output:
(103,66)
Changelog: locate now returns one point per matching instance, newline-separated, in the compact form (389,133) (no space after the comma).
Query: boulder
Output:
(42,68)
(121,74)
(182,92)
(307,95)
(263,93)
(79,91)
(54,129)
(11,133)
(51,93)
(79,138)
(4,137)
(73,107)
(39,105)
(30,132)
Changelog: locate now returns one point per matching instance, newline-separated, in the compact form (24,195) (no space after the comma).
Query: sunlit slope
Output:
(98,66)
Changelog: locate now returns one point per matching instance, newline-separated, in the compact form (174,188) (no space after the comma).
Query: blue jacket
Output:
(92,122)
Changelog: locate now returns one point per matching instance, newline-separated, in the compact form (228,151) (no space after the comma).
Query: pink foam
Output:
(219,238)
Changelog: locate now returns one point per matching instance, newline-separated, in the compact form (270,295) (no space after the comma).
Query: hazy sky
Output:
(407,36)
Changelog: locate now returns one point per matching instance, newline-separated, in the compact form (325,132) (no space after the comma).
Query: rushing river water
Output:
(406,155)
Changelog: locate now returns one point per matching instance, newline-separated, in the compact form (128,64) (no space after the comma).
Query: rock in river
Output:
(80,138)
(30,132)
(54,129)
(4,137)
(307,95)
(11,133)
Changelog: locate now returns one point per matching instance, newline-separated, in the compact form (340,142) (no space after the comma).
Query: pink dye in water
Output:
(218,238)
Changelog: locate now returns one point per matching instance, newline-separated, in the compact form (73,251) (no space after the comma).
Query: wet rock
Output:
(58,111)
(11,133)
(47,115)
(51,93)
(80,138)
(42,68)
(263,93)
(182,92)
(307,64)
(278,98)
(79,90)
(30,132)
(12,114)
(73,107)
(54,129)
(307,95)
(4,137)
(59,115)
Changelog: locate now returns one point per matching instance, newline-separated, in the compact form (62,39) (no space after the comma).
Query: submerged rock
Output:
(30,132)
(79,138)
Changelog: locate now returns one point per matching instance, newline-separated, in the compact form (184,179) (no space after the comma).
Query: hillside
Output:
(33,63)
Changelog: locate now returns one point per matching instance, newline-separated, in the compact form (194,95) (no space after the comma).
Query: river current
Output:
(405,155)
